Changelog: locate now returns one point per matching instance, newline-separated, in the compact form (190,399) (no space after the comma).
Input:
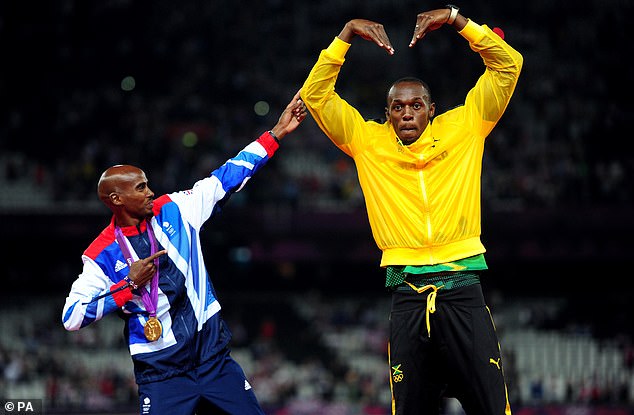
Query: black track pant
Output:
(459,357)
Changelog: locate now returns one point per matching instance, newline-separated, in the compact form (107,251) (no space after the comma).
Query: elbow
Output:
(70,326)
(310,94)
(519,61)
(304,94)
(72,321)
(312,100)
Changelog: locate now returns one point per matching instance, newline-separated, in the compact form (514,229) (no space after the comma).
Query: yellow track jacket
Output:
(423,200)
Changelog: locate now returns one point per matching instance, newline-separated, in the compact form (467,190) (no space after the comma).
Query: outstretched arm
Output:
(368,30)
(291,117)
(431,20)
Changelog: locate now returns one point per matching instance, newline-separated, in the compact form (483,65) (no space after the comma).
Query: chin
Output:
(408,139)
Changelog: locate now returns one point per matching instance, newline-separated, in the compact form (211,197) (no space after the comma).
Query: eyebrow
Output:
(407,100)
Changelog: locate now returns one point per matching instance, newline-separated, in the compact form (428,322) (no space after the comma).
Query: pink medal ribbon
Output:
(152,327)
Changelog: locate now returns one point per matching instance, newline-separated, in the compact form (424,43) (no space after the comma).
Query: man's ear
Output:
(114,198)
(387,114)
(432,109)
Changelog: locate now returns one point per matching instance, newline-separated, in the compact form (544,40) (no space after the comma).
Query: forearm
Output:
(87,302)
(328,109)
(495,87)
(319,85)
(497,55)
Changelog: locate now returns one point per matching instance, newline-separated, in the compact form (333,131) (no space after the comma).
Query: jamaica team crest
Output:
(397,373)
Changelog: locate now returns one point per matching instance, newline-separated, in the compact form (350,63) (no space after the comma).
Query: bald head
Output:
(124,190)
(114,179)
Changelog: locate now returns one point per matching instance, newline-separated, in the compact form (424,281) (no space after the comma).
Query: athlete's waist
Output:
(443,280)
(434,254)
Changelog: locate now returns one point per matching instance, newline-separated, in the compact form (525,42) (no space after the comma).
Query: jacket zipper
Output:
(423,189)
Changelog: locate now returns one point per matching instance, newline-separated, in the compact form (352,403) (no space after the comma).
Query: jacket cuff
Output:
(472,31)
(123,296)
(338,48)
(269,143)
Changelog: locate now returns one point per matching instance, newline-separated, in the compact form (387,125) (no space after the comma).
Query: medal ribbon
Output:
(150,300)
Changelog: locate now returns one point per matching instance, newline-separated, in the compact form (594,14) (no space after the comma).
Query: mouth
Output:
(408,132)
(408,129)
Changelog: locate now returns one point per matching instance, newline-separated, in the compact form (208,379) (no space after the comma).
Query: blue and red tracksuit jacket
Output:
(193,330)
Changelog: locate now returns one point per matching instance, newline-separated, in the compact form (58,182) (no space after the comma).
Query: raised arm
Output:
(487,100)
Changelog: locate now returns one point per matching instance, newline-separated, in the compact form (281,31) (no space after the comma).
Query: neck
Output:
(124,221)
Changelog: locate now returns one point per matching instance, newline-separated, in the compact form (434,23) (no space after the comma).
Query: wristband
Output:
(131,283)
(272,134)
(453,14)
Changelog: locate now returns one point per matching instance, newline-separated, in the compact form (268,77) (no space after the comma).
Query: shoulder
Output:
(105,239)
(375,127)
(454,114)
(161,201)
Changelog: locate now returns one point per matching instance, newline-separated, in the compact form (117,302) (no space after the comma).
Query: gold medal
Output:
(152,329)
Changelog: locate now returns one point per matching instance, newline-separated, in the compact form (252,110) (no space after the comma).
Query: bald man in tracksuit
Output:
(147,265)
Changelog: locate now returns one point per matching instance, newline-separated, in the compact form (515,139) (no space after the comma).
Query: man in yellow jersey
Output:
(420,176)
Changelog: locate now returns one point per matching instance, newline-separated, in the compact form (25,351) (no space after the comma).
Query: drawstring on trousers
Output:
(431,301)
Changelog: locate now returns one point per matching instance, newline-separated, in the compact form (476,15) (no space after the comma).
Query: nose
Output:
(408,113)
